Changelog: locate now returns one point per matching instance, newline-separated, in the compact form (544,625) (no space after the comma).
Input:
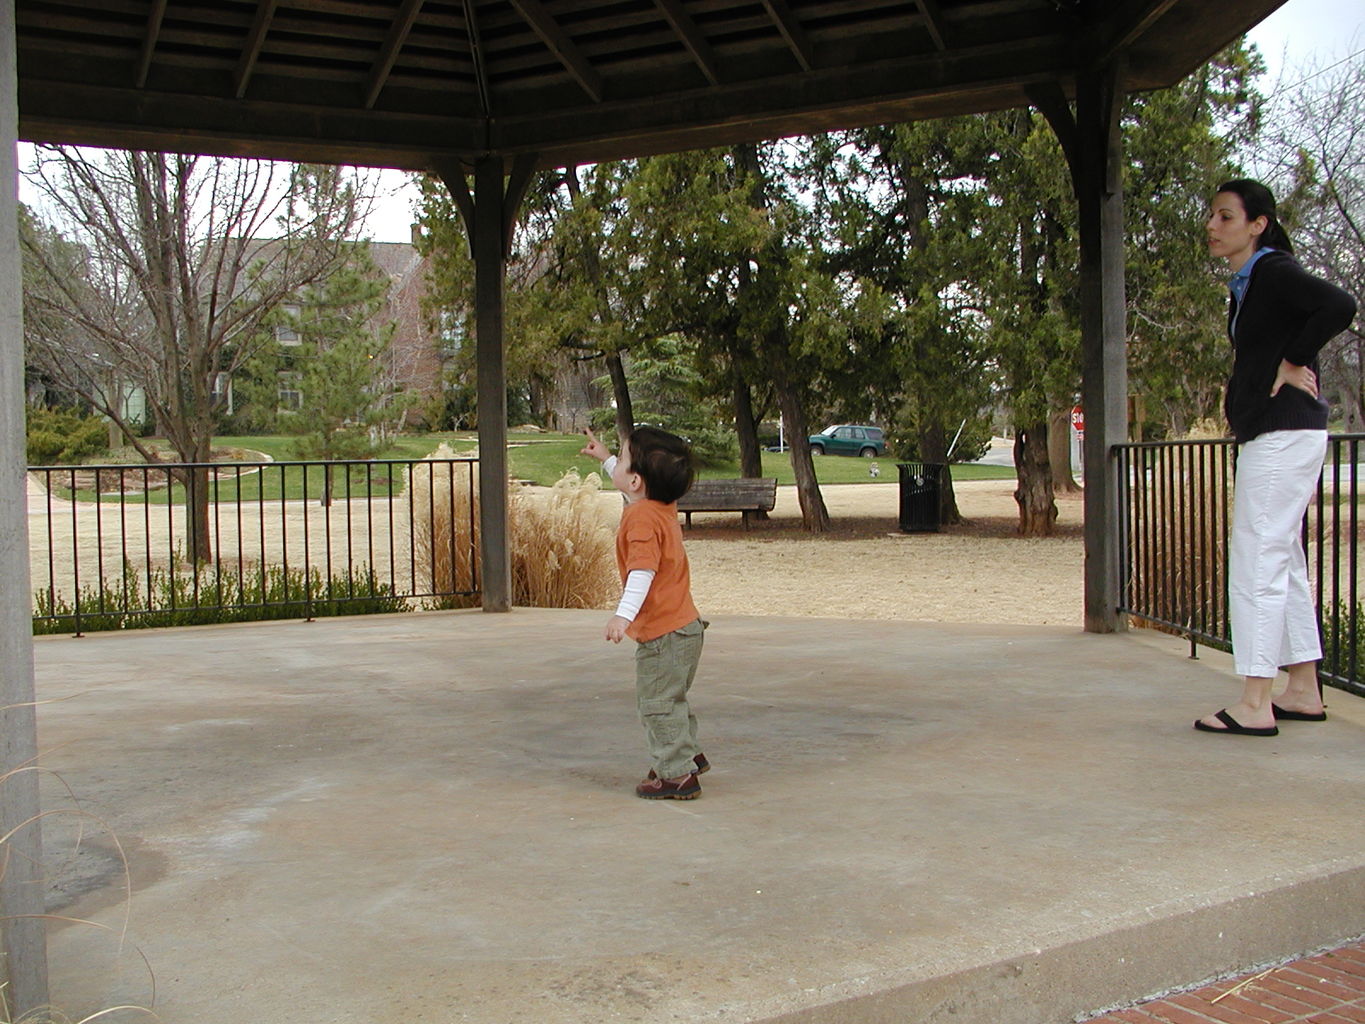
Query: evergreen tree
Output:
(345,401)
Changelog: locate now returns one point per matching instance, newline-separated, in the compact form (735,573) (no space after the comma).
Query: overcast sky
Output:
(1304,32)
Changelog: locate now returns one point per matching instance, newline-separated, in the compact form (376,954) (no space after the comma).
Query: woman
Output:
(1279,317)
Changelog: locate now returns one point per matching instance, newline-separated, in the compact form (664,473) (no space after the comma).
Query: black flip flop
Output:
(1235,727)
(1297,716)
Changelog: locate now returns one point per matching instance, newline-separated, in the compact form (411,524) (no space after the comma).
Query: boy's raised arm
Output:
(595,448)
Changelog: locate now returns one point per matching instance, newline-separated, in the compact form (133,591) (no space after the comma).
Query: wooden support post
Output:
(490,270)
(23,933)
(1098,174)
(490,216)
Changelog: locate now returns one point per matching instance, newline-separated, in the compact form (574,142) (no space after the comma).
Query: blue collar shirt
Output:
(1240,281)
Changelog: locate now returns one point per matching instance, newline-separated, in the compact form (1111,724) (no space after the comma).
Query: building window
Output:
(220,392)
(291,398)
(285,333)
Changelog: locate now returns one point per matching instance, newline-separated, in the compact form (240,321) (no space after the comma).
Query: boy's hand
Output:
(616,628)
(595,448)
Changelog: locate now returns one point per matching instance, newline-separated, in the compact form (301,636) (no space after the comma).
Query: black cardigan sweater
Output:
(1287,313)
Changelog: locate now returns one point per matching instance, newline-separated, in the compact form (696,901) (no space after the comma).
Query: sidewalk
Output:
(429,818)
(1325,989)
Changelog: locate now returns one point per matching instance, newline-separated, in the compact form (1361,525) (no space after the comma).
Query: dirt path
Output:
(865,567)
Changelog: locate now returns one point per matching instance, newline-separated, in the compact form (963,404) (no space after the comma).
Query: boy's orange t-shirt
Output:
(649,537)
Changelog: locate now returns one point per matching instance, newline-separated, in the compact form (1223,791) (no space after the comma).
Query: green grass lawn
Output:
(538,458)
(544,458)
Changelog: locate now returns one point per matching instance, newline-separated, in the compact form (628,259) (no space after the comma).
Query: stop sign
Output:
(1078,418)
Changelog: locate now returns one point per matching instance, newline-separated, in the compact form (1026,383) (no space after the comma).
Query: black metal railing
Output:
(1175,513)
(183,543)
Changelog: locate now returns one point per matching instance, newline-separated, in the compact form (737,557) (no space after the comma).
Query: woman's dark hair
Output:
(1258,202)
(664,462)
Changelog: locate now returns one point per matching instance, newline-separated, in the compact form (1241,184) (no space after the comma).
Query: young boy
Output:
(653,471)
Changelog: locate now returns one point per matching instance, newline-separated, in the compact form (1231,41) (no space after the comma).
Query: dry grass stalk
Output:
(561,543)
(563,546)
(445,510)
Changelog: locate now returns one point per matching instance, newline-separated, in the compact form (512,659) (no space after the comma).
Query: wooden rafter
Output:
(933,21)
(792,32)
(471,25)
(251,51)
(388,53)
(469,78)
(144,64)
(1126,28)
(691,37)
(561,46)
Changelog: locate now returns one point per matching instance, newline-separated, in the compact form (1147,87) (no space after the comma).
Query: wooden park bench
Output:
(748,494)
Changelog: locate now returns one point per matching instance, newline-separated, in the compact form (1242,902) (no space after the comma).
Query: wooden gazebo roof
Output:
(413,84)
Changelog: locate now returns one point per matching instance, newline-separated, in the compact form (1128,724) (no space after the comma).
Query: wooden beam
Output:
(792,32)
(251,51)
(480,63)
(692,38)
(561,46)
(154,18)
(523,170)
(23,880)
(933,21)
(452,174)
(1122,27)
(1052,104)
(490,269)
(1098,181)
(388,53)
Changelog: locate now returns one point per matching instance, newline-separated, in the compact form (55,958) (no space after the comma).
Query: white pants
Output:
(1270,606)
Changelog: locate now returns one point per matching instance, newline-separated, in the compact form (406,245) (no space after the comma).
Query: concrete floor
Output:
(429,818)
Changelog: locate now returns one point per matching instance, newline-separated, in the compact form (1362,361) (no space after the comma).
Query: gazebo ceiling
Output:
(414,84)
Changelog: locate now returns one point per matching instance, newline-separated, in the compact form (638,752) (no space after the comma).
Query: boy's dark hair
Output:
(664,462)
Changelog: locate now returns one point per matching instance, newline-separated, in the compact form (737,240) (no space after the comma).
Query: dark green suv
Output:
(848,439)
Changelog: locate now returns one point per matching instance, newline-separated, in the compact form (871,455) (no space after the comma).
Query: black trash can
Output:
(920,483)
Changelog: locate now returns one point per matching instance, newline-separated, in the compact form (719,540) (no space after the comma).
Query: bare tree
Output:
(1316,153)
(155,271)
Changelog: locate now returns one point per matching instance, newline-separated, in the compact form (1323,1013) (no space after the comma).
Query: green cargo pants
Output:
(664,668)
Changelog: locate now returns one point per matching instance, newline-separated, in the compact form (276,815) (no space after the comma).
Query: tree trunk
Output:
(1037,509)
(746,427)
(620,390)
(814,514)
(933,447)
(1059,452)
(197,516)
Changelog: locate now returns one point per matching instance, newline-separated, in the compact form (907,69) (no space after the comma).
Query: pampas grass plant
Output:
(445,515)
(563,546)
(561,540)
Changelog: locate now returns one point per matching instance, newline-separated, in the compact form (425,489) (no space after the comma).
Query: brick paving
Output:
(1328,988)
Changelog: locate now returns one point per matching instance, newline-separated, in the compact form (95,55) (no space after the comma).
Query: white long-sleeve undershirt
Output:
(638,581)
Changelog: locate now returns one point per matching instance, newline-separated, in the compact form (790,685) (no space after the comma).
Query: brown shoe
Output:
(703,766)
(685,787)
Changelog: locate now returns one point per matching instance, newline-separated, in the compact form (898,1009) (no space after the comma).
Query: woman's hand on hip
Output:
(1301,377)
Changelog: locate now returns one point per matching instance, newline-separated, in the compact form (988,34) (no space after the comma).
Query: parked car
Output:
(849,439)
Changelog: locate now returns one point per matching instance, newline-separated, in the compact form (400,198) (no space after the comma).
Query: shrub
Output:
(561,541)
(59,437)
(563,547)
(444,510)
(180,597)
(1343,641)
